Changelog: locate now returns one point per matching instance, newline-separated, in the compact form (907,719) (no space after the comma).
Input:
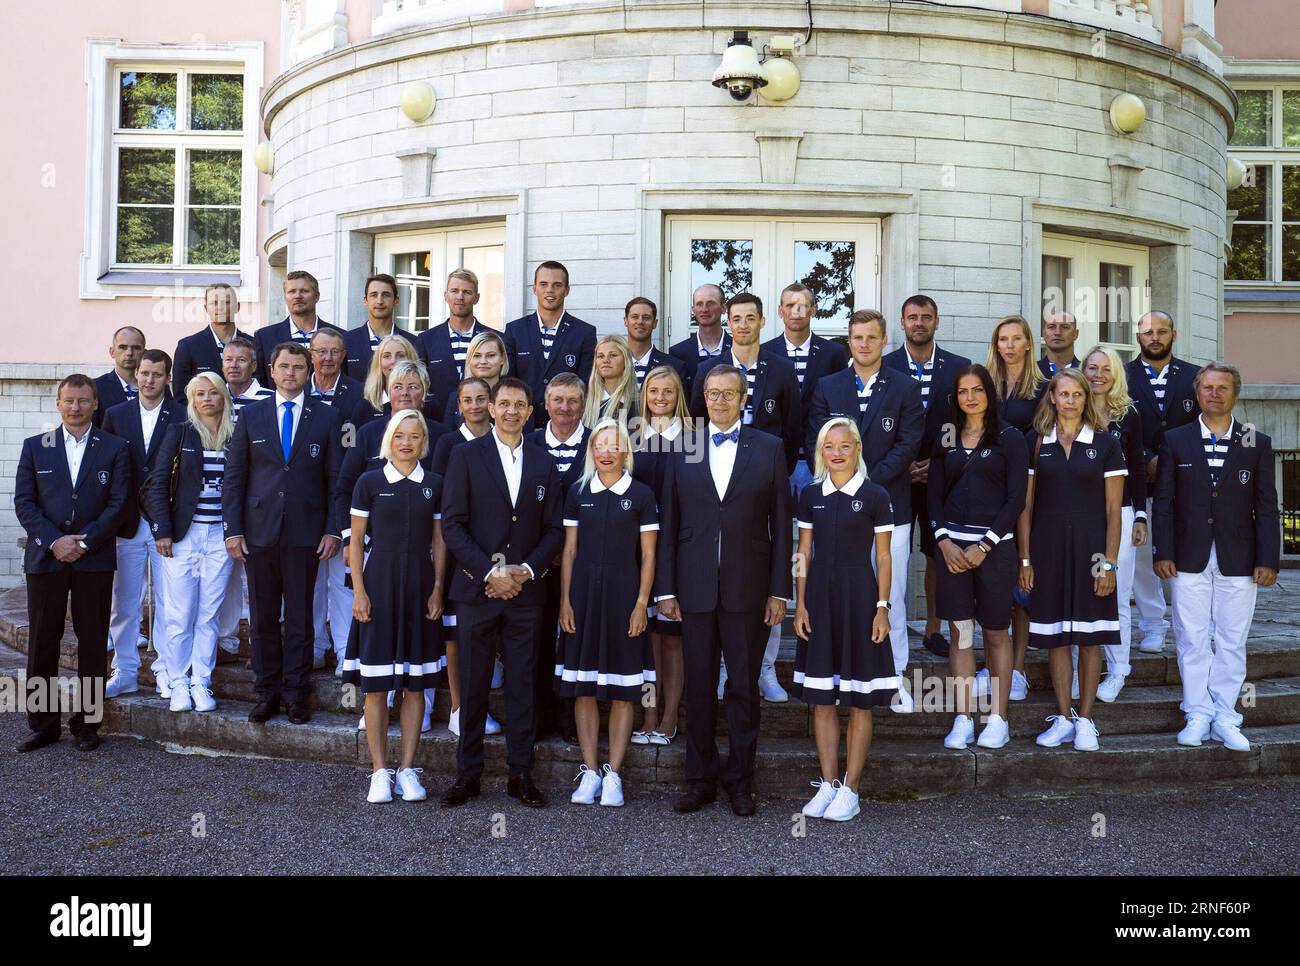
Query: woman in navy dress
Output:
(656,437)
(486,359)
(610,528)
(397,587)
(976,494)
(841,618)
(1068,539)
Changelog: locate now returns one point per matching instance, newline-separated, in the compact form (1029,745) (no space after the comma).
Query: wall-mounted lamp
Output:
(1236,173)
(781,73)
(264,157)
(417,100)
(1127,112)
(740,72)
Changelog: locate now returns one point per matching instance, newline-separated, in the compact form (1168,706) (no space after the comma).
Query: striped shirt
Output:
(254,392)
(1158,383)
(864,392)
(460,345)
(751,376)
(1216,448)
(548,339)
(642,367)
(315,392)
(299,336)
(130,390)
(799,355)
(564,452)
(922,374)
(208,509)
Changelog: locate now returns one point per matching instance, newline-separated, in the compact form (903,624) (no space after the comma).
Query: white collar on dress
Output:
(620,485)
(848,489)
(672,432)
(392,474)
(1085,435)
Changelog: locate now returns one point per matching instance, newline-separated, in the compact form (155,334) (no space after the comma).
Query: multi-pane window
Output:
(178,163)
(1266,234)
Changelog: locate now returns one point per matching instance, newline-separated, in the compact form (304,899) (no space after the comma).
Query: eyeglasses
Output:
(327,353)
(721,395)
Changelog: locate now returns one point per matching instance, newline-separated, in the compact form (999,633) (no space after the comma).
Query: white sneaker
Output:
(996,733)
(1019,685)
(983,683)
(770,688)
(1110,687)
(453,722)
(1195,731)
(1060,730)
(1153,643)
(161,683)
(381,786)
(640,738)
(1230,735)
(408,784)
(181,700)
(963,731)
(903,704)
(843,806)
(430,695)
(1074,686)
(1085,734)
(722,681)
(611,788)
(201,695)
(120,683)
(498,674)
(491,726)
(816,808)
(338,670)
(589,785)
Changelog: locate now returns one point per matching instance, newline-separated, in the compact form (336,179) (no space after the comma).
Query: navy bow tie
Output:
(720,438)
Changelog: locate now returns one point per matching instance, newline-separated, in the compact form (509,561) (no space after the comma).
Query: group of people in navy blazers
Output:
(590,520)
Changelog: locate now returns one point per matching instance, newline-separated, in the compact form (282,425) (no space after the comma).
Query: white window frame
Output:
(445,247)
(1087,255)
(1278,157)
(99,278)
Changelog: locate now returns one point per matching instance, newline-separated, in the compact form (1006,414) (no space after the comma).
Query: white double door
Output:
(421,260)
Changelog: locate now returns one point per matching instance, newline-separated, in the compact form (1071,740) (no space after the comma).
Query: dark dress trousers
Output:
(445,373)
(282,510)
(270,336)
(124,420)
(356,345)
(197,353)
(573,350)
(482,529)
(722,558)
(1180,405)
(776,403)
(49,504)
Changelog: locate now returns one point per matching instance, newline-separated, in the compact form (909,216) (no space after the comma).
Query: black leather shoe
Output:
(936,644)
(695,797)
(742,800)
(521,787)
(299,713)
(38,740)
(87,741)
(264,710)
(461,791)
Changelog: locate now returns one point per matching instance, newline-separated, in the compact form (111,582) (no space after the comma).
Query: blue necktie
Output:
(286,430)
(720,438)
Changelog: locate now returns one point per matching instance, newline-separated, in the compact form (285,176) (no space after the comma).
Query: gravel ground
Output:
(132,808)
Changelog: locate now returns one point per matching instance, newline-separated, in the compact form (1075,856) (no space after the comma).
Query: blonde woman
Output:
(485,359)
(396,637)
(841,617)
(391,350)
(1068,539)
(1012,363)
(184,497)
(1104,371)
(611,391)
(657,436)
(610,528)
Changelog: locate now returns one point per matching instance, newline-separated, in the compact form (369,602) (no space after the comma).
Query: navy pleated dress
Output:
(400,648)
(839,661)
(1067,536)
(599,660)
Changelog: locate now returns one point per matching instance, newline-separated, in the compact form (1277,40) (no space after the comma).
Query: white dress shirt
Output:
(512,463)
(74,450)
(722,458)
(279,413)
(149,421)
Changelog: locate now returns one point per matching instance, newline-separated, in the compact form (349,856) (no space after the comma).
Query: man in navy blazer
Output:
(380,297)
(640,318)
(502,521)
(723,569)
(710,339)
(118,384)
(886,405)
(549,340)
(301,293)
(1161,386)
(71,488)
(1217,540)
(773,403)
(143,423)
(934,370)
(327,384)
(1059,333)
(201,352)
(443,347)
(281,466)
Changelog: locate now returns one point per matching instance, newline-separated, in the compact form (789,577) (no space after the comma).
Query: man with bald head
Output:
(710,339)
(1060,331)
(1163,388)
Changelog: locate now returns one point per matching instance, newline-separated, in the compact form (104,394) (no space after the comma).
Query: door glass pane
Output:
(216,102)
(144,235)
(488,262)
(147,101)
(1251,254)
(1254,119)
(1291,119)
(827,268)
(1116,303)
(725,262)
(415,264)
(412,312)
(1056,284)
(213,236)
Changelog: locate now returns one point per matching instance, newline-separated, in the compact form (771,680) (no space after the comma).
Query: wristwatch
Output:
(885,604)
(82,545)
(1024,562)
(1107,565)
(984,546)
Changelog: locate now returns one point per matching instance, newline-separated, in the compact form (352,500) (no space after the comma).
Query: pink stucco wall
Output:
(1258,29)
(43,75)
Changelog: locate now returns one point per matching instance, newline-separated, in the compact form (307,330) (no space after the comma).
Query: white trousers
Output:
(1117,655)
(136,556)
(234,603)
(1148,591)
(331,600)
(1208,605)
(196,576)
(900,550)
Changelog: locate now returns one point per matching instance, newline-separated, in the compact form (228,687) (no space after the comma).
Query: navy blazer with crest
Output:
(1045,366)
(943,375)
(109,393)
(268,501)
(346,394)
(50,504)
(777,405)
(574,350)
(730,553)
(660,358)
(1181,406)
(124,420)
(198,353)
(481,528)
(170,518)
(688,353)
(1239,517)
(270,336)
(357,349)
(445,373)
(824,357)
(891,428)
